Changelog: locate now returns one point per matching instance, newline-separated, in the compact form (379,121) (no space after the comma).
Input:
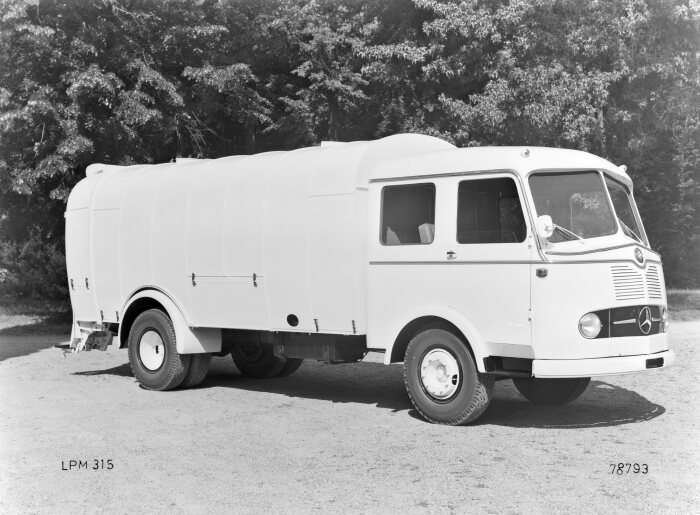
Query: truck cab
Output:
(537,257)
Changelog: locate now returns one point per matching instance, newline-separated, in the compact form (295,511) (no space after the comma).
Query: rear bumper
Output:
(559,368)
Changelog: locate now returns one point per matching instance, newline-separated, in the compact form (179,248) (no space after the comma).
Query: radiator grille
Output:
(631,283)
(654,283)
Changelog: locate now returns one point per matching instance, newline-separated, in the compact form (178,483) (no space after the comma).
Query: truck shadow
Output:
(120,370)
(365,383)
(603,404)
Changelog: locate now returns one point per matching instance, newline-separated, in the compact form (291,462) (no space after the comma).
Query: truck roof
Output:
(343,167)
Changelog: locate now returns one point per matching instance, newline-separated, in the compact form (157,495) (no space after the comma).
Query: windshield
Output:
(576,202)
(622,202)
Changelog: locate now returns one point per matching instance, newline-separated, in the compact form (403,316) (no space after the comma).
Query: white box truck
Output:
(466,264)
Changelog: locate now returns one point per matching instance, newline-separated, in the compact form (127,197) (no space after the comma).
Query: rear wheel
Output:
(153,353)
(442,380)
(551,392)
(198,370)
(257,360)
(291,365)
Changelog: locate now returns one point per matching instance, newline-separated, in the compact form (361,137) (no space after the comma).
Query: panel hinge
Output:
(255,280)
(194,283)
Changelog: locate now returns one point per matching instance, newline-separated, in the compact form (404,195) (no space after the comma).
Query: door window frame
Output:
(495,174)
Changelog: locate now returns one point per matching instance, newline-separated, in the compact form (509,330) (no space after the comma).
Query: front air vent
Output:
(632,283)
(628,282)
(654,284)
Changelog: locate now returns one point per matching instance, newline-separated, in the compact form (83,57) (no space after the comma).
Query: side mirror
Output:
(545,226)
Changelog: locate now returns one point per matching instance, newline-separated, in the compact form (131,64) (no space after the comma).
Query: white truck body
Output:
(259,242)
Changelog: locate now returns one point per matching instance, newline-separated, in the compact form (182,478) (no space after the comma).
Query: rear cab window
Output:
(408,214)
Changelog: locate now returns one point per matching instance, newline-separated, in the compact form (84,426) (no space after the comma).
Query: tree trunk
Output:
(333,111)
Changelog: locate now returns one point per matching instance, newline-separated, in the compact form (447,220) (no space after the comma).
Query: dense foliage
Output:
(133,81)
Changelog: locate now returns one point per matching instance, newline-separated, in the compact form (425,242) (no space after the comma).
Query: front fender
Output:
(189,340)
(474,338)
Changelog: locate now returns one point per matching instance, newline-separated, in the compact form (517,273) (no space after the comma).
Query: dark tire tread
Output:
(179,364)
(291,365)
(199,367)
(266,367)
(551,392)
(479,402)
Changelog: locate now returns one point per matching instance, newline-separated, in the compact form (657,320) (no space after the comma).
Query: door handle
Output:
(451,255)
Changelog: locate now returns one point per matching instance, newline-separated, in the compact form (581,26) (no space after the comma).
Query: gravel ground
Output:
(342,438)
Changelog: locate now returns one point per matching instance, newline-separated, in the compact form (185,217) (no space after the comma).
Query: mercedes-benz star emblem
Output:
(638,255)
(644,320)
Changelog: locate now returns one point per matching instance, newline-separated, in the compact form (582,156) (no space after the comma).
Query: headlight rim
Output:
(593,319)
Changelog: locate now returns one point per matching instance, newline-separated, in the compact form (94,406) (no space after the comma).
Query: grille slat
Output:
(630,283)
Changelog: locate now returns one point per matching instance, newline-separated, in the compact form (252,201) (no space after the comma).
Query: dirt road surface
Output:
(340,438)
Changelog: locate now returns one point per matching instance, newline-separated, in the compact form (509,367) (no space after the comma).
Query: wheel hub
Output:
(151,350)
(439,374)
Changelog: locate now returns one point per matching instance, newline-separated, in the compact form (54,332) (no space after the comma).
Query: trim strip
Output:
(456,262)
(628,321)
(602,250)
(591,262)
(438,175)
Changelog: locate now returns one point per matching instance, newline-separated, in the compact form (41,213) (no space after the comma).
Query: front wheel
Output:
(551,392)
(442,380)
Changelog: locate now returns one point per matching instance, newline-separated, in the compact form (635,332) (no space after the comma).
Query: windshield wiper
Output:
(629,232)
(567,232)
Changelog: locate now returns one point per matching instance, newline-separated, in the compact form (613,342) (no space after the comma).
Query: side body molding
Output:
(189,340)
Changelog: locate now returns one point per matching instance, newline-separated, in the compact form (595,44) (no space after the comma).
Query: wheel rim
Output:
(151,350)
(250,353)
(439,373)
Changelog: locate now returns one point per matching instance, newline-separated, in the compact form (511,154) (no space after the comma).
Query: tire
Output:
(199,367)
(151,334)
(291,365)
(551,392)
(442,380)
(257,361)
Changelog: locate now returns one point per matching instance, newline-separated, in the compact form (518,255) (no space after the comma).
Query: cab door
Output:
(407,240)
(489,258)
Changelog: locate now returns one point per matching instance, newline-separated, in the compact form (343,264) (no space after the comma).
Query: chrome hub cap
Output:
(439,373)
(151,350)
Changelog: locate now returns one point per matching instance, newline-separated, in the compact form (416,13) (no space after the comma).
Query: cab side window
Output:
(408,214)
(489,211)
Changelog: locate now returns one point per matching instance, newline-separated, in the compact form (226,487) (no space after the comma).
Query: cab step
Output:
(96,340)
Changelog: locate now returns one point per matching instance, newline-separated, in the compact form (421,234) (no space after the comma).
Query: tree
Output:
(144,81)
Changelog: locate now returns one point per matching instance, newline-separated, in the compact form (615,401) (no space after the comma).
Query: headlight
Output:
(664,321)
(589,326)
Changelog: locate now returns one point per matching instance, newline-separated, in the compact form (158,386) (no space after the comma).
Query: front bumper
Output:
(561,368)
